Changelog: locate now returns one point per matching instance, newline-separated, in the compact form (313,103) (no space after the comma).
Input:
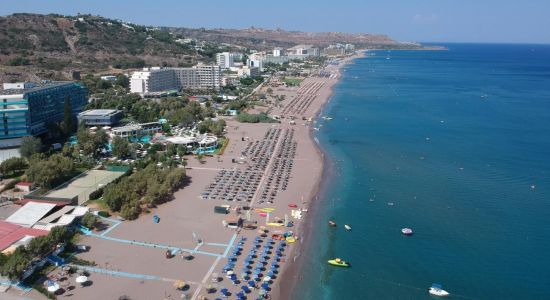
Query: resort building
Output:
(136,131)
(248,71)
(277,52)
(209,76)
(308,50)
(152,80)
(27,109)
(156,80)
(200,144)
(100,117)
(227,60)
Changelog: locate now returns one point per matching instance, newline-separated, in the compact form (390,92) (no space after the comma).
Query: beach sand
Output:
(130,255)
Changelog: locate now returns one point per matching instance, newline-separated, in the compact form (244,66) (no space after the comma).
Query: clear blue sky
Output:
(515,21)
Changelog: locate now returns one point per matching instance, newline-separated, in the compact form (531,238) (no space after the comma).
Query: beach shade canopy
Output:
(265,285)
(81,279)
(53,287)
(179,284)
(224,291)
(251,283)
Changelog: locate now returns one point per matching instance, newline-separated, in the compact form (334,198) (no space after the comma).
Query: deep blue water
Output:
(469,173)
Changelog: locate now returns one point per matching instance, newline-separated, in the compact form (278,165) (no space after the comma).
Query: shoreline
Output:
(290,274)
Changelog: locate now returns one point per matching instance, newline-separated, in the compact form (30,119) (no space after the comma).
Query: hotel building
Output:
(27,109)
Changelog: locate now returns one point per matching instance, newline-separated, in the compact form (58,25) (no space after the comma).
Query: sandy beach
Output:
(277,166)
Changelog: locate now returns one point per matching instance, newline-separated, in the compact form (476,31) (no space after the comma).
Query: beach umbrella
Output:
(230,273)
(266,279)
(265,286)
(81,279)
(240,295)
(52,288)
(178,284)
(251,283)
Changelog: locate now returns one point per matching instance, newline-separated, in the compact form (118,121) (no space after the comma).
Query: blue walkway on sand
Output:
(116,223)
(145,244)
(117,273)
(230,244)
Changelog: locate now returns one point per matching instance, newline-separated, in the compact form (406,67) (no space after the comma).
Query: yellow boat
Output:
(290,239)
(338,262)
(266,210)
(275,224)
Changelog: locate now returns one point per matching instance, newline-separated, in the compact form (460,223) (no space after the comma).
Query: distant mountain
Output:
(262,39)
(37,46)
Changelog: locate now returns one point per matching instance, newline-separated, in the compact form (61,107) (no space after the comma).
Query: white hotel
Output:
(199,77)
(227,60)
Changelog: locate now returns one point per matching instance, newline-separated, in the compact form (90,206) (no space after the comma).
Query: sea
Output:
(452,144)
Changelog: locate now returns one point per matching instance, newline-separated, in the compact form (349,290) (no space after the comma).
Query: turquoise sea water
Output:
(459,142)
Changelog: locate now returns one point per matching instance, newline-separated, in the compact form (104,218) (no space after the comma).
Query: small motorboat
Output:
(338,262)
(347,227)
(292,205)
(332,223)
(407,231)
(437,290)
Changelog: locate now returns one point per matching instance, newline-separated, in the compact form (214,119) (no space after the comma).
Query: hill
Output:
(38,46)
(50,44)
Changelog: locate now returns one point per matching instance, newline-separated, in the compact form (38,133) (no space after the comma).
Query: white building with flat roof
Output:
(227,60)
(277,52)
(152,80)
(209,76)
(100,117)
(155,80)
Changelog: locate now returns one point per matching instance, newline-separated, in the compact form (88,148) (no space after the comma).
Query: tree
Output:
(12,165)
(51,171)
(89,142)
(89,220)
(122,80)
(67,126)
(121,147)
(29,146)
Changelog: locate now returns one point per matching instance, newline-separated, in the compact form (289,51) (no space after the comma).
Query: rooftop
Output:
(99,112)
(30,213)
(38,87)
(11,233)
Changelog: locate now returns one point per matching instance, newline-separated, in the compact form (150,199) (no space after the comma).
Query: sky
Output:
(487,21)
